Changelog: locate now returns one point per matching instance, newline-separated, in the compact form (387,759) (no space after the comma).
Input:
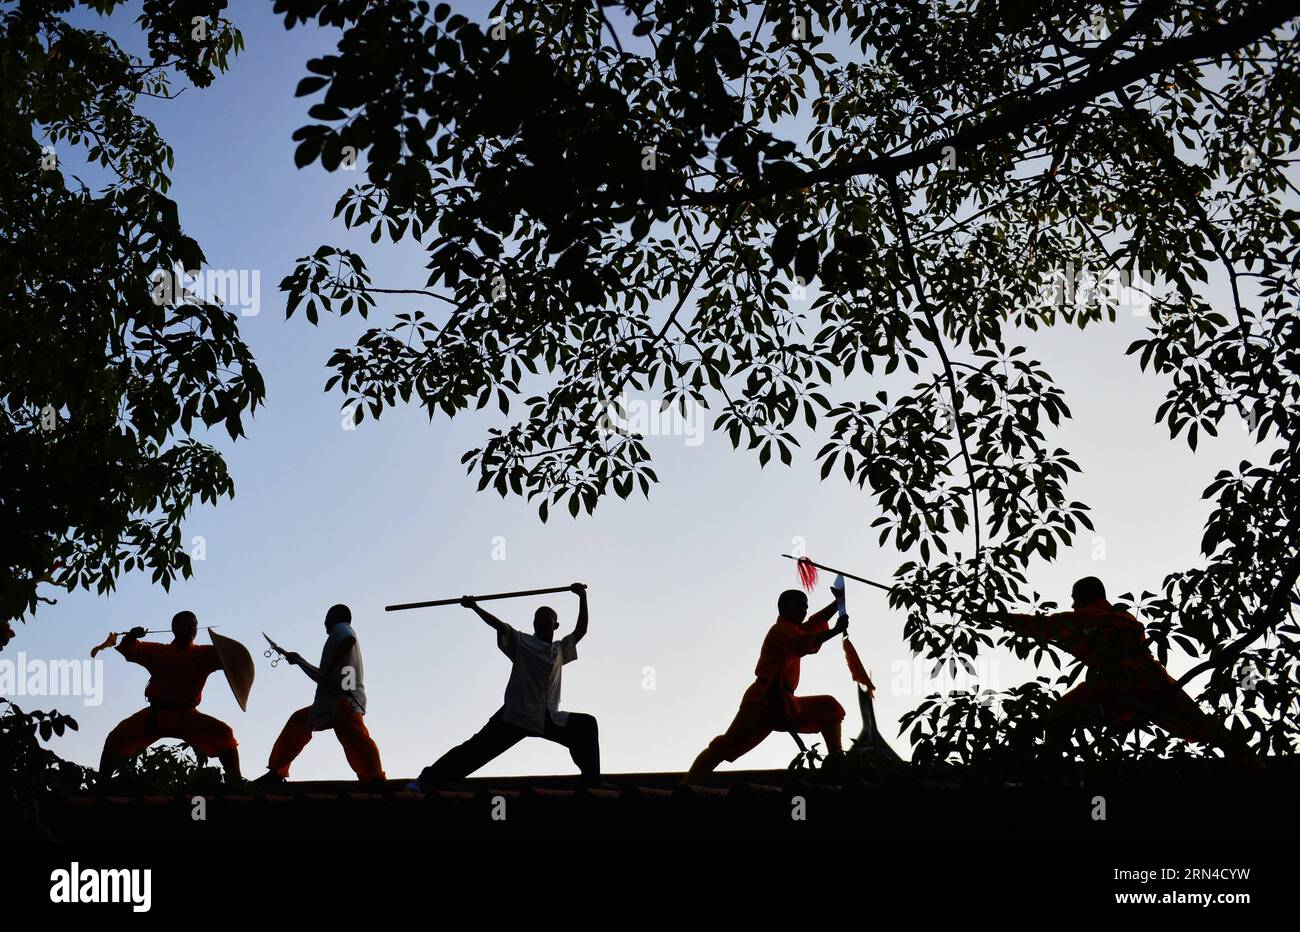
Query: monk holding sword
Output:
(177,673)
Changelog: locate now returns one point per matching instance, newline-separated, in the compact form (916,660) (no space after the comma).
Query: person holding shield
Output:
(177,674)
(769,704)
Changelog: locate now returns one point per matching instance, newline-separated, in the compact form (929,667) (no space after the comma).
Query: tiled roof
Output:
(886,801)
(755,805)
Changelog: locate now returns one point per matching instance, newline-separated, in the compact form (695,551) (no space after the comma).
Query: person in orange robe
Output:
(769,704)
(177,672)
(1125,685)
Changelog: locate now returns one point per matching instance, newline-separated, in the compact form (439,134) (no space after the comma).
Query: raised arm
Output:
(821,616)
(813,631)
(580,630)
(819,619)
(489,619)
(129,647)
(806,639)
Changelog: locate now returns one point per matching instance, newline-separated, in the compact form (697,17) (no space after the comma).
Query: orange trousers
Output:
(758,719)
(349,727)
(1163,705)
(209,736)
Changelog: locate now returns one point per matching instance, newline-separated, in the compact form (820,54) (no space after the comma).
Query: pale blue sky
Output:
(684,584)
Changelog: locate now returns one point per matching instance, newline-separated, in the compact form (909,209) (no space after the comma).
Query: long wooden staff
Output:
(990,617)
(478,598)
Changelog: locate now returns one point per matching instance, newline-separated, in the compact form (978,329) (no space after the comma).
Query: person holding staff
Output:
(532,699)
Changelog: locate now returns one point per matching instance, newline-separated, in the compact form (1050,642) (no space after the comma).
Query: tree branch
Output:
(1179,170)
(687,288)
(1179,50)
(1268,615)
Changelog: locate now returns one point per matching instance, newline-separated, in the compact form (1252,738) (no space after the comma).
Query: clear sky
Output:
(682,587)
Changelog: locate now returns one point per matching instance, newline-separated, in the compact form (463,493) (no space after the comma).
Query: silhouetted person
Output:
(177,672)
(769,704)
(1125,685)
(532,700)
(339,705)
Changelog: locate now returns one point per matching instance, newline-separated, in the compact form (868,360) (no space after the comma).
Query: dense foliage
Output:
(749,205)
(105,369)
(32,773)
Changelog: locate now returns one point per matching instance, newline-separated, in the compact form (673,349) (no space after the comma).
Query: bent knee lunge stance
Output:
(177,674)
(1125,685)
(769,704)
(532,700)
(339,705)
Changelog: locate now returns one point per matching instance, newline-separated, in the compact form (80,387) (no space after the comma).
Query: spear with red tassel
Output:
(807,570)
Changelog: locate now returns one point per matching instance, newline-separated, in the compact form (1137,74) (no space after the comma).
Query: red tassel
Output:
(807,573)
(856,669)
